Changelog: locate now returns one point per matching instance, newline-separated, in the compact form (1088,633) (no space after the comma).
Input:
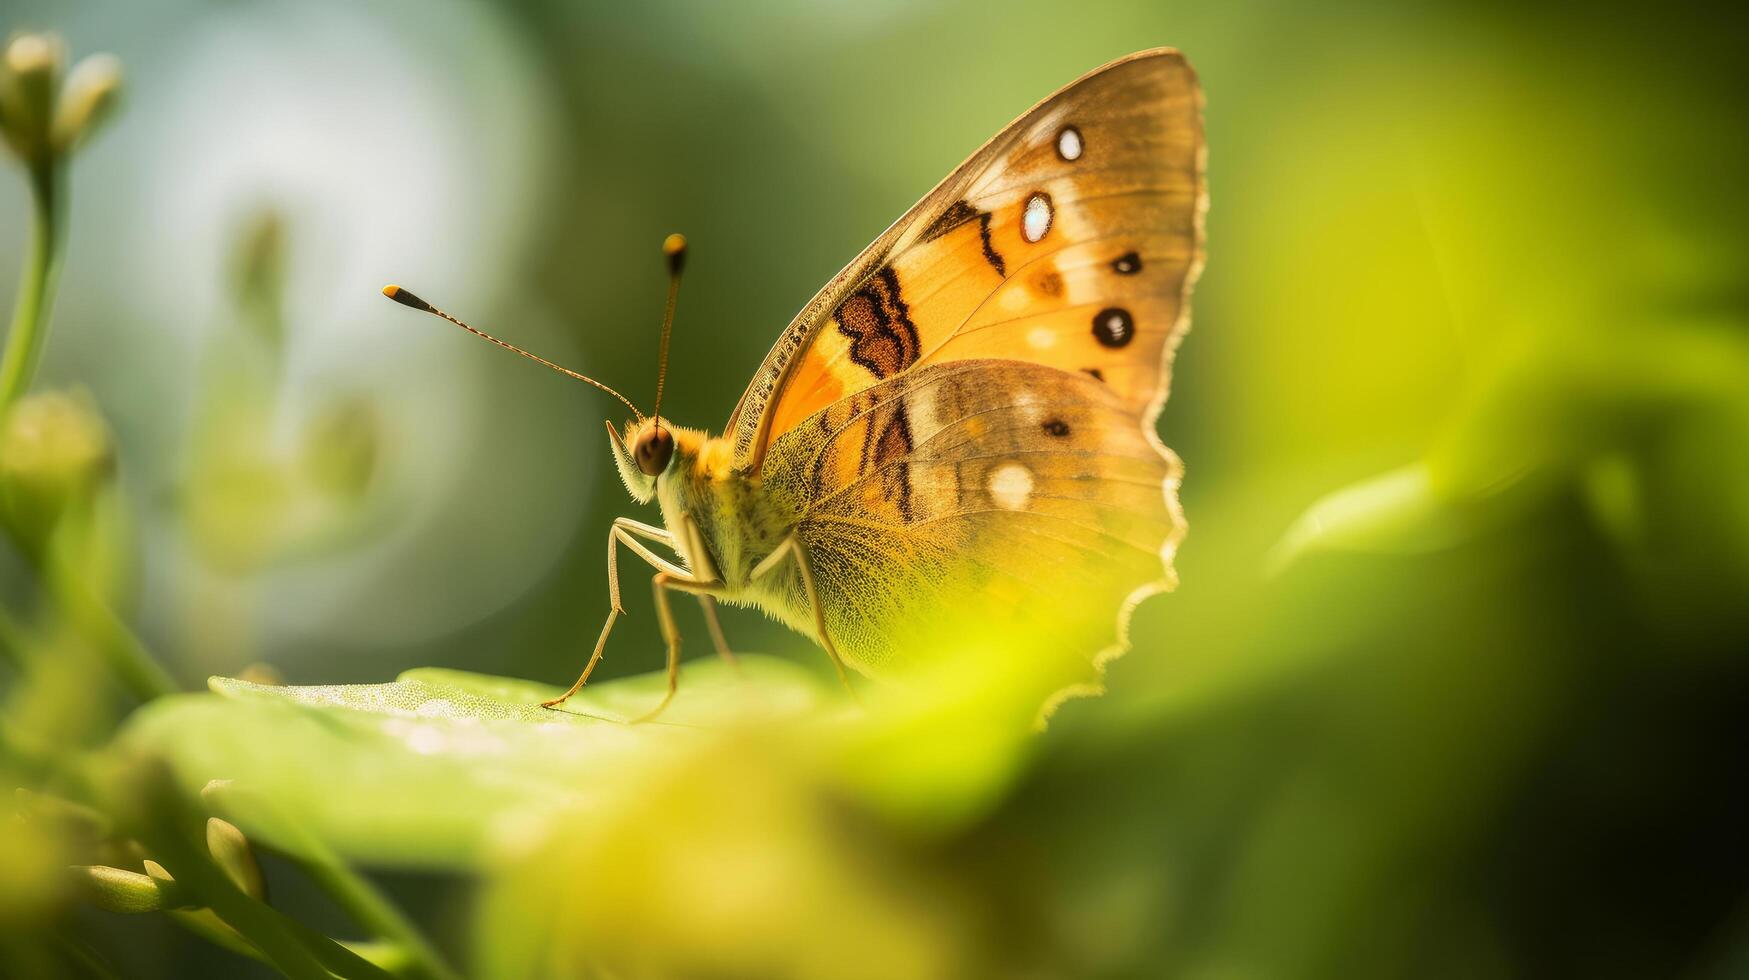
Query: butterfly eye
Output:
(653,450)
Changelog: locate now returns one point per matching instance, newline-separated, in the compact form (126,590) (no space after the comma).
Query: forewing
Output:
(1071,240)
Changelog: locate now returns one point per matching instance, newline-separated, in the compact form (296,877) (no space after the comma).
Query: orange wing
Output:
(1071,240)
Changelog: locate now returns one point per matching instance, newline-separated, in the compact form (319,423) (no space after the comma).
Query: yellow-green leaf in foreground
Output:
(440,766)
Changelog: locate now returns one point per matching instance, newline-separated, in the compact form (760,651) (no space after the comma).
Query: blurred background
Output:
(1454,683)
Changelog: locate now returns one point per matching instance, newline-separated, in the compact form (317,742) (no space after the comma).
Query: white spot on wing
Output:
(1042,338)
(1011,486)
(1037,219)
(1069,143)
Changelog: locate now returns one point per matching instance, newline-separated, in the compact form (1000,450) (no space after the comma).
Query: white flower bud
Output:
(90,95)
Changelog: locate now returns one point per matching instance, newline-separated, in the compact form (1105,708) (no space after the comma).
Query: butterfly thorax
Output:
(724,521)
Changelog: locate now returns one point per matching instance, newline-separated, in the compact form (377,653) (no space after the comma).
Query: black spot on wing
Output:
(957,213)
(1113,327)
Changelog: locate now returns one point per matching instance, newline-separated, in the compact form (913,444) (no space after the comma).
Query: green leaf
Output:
(440,766)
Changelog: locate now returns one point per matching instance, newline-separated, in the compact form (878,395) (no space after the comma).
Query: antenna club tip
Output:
(674,247)
(406,298)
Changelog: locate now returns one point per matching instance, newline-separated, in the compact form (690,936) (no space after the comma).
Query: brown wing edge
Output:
(1168,580)
(750,445)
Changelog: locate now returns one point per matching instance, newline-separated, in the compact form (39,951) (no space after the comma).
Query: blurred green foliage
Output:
(421,772)
(1453,685)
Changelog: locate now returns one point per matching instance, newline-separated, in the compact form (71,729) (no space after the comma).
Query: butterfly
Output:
(961,424)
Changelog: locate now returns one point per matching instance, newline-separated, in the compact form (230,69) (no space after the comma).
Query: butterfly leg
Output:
(793,549)
(621,533)
(715,625)
(663,583)
(670,637)
(699,559)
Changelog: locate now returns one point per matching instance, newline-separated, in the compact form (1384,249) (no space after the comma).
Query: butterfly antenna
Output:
(674,246)
(406,298)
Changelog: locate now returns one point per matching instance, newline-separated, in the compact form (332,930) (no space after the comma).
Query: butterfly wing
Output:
(981,488)
(966,414)
(1070,239)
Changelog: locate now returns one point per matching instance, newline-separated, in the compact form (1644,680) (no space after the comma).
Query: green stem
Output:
(175,835)
(369,908)
(36,285)
(353,892)
(123,652)
(206,924)
(126,655)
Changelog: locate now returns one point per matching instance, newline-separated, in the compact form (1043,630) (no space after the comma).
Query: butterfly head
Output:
(651,451)
(642,454)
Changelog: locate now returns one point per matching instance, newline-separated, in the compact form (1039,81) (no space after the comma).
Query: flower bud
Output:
(259,275)
(54,455)
(234,854)
(90,95)
(30,71)
(116,890)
